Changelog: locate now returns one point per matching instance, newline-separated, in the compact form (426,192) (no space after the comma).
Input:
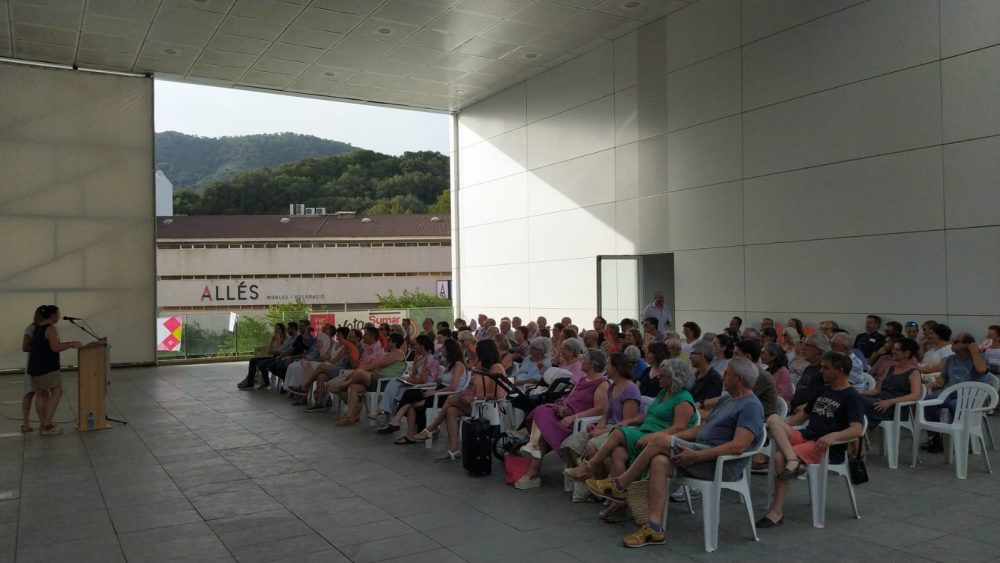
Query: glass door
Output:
(618,287)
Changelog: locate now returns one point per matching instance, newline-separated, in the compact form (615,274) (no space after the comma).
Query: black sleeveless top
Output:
(41,359)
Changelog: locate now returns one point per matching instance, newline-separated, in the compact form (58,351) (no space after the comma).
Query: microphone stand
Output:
(90,331)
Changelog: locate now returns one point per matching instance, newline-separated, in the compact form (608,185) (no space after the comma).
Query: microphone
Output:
(65,318)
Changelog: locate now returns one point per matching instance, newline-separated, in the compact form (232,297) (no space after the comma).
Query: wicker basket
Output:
(636,498)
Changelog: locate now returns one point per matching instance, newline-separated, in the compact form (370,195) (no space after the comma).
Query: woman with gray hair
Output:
(552,423)
(571,354)
(672,411)
(533,367)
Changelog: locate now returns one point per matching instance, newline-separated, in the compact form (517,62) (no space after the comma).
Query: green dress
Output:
(659,416)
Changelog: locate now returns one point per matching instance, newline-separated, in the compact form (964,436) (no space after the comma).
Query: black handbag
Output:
(856,464)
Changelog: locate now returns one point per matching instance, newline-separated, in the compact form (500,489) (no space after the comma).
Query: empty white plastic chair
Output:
(973,400)
(711,492)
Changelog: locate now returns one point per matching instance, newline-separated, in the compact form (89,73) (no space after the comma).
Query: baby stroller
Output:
(557,384)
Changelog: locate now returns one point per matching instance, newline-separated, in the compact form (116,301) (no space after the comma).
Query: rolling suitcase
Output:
(477,446)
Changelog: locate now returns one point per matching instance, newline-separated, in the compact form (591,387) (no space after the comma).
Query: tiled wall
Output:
(816,158)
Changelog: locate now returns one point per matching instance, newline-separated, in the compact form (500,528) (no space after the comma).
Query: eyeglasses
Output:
(897,349)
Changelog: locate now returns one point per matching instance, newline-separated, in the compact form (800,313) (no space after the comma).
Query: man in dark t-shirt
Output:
(811,382)
(835,414)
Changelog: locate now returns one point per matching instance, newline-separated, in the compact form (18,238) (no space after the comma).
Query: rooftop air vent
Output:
(435,219)
(366,220)
(286,220)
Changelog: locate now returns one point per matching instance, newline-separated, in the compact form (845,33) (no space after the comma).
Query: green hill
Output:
(360,180)
(194,162)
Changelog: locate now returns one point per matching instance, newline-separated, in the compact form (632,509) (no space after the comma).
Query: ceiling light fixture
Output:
(633,4)
(531,55)
(169,51)
(384,30)
(331,74)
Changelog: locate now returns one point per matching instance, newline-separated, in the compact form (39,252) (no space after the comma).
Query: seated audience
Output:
(300,344)
(901,383)
(767,336)
(733,330)
(811,381)
(634,356)
(259,365)
(707,382)
(829,328)
(797,324)
(364,379)
(789,341)
(506,354)
(936,348)
(965,364)
(773,356)
(911,330)
(522,340)
(347,357)
(481,388)
(454,379)
(648,382)
(734,427)
(533,366)
(763,386)
(423,371)
(884,358)
(671,412)
(871,339)
(991,348)
(613,339)
(322,351)
(571,355)
(552,423)
(650,332)
(722,348)
(623,403)
(835,415)
(692,332)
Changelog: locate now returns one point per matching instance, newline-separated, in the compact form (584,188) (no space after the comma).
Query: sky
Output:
(210,111)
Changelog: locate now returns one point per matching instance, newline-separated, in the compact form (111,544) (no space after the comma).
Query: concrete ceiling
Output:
(430,54)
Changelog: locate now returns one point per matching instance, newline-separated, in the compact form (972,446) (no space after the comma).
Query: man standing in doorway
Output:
(659,311)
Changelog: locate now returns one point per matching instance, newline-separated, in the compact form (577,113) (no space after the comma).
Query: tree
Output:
(442,204)
(415,299)
(186,201)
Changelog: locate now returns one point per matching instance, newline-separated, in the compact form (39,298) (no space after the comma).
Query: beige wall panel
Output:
(493,116)
(582,130)
(890,113)
(860,42)
(967,25)
(887,194)
(581,182)
(974,271)
(706,217)
(703,30)
(970,89)
(578,81)
(709,280)
(971,173)
(766,17)
(849,275)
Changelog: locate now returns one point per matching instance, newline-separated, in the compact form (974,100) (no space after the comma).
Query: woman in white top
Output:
(454,379)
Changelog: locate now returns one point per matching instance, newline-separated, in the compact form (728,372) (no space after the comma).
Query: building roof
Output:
(265,227)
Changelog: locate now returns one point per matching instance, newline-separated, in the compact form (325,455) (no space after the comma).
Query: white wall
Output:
(822,159)
(76,206)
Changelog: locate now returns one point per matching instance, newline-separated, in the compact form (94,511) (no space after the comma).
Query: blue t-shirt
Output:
(728,415)
(640,367)
(960,370)
(529,370)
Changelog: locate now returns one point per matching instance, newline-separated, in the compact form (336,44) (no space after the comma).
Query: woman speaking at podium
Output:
(43,366)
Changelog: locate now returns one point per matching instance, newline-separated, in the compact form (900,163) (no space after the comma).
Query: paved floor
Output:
(206,473)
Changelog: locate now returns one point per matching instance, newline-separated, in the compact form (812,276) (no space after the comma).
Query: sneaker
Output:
(605,488)
(679,496)
(315,408)
(528,451)
(526,482)
(644,536)
(759,468)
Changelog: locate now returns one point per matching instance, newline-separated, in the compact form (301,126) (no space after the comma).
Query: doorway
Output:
(625,284)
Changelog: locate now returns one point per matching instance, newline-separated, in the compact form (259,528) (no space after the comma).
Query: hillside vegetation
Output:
(194,162)
(360,180)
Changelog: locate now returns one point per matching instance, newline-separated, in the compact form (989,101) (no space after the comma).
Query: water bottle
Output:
(90,421)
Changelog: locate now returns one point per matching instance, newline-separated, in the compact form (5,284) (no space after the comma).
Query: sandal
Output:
(404,441)
(26,429)
(787,474)
(50,430)
(424,435)
(347,421)
(388,429)
(450,456)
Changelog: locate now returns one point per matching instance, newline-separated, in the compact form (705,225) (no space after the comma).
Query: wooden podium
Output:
(92,390)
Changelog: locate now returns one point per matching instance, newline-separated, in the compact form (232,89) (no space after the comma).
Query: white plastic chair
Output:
(892,430)
(579,426)
(817,476)
(711,492)
(974,400)
(869,381)
(993,381)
